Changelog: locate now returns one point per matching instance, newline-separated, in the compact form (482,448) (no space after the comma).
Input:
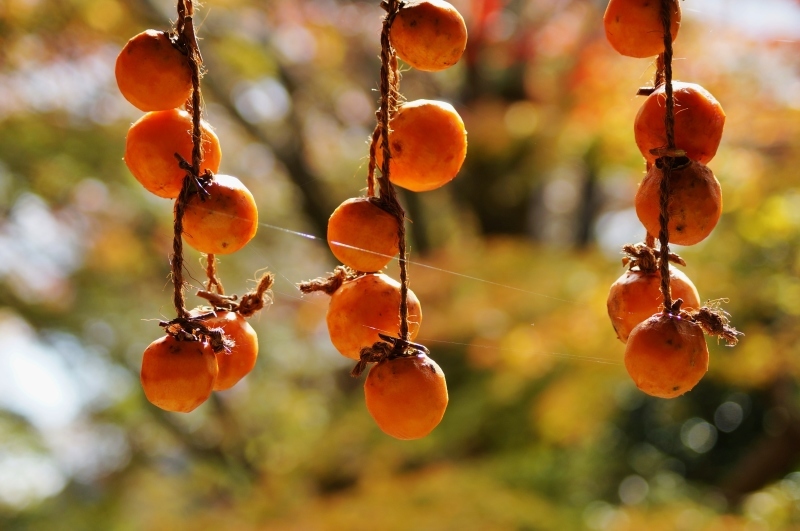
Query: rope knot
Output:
(389,347)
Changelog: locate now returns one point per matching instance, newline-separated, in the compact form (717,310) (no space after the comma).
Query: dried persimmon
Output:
(407,396)
(152,73)
(699,121)
(237,361)
(365,306)
(428,144)
(666,355)
(634,27)
(362,235)
(223,221)
(429,35)
(635,296)
(152,143)
(178,375)
(695,201)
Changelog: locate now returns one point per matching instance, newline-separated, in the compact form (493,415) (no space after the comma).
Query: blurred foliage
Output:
(513,261)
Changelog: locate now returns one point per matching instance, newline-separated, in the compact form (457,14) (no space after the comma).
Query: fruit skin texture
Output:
(695,202)
(360,223)
(362,307)
(429,35)
(225,221)
(152,74)
(428,144)
(178,375)
(406,396)
(151,145)
(634,27)
(699,120)
(636,295)
(236,364)
(666,355)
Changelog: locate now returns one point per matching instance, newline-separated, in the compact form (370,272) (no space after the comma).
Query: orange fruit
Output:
(364,306)
(236,364)
(666,355)
(152,74)
(695,202)
(699,120)
(636,295)
(634,27)
(358,224)
(225,221)
(151,145)
(178,375)
(429,35)
(406,396)
(428,144)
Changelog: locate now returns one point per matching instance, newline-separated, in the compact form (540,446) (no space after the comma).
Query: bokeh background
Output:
(513,262)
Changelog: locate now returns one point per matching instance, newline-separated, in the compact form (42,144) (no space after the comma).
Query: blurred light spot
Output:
(263,101)
(90,195)
(5,179)
(501,26)
(633,490)
(354,107)
(728,416)
(698,435)
(296,44)
(689,519)
(601,516)
(39,249)
(257,160)
(766,19)
(351,143)
(33,381)
(26,478)
(560,196)
(790,486)
(90,451)
(522,118)
(491,323)
(99,332)
(615,229)
(760,506)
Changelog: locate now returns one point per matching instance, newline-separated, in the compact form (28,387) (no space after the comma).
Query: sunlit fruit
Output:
(362,235)
(236,364)
(699,120)
(151,145)
(428,144)
(636,296)
(666,355)
(695,202)
(634,27)
(178,375)
(362,307)
(224,221)
(429,34)
(152,74)
(407,396)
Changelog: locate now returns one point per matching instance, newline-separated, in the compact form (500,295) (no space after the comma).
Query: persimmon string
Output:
(213,282)
(390,98)
(667,161)
(186,42)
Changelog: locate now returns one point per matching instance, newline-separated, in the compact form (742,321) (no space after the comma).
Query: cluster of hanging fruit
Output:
(654,307)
